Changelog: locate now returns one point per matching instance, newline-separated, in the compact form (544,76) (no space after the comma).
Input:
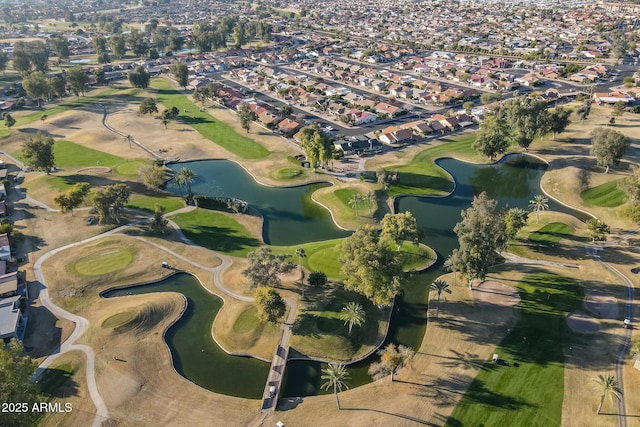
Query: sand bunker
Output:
(601,304)
(96,170)
(583,323)
(495,293)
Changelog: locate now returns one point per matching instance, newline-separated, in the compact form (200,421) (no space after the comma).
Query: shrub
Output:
(317,279)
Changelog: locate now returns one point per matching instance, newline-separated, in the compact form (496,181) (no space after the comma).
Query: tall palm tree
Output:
(184,178)
(537,204)
(335,375)
(608,386)
(354,202)
(440,286)
(352,314)
(300,253)
(370,198)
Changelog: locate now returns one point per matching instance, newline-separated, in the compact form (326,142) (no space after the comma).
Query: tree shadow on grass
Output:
(406,417)
(222,239)
(58,383)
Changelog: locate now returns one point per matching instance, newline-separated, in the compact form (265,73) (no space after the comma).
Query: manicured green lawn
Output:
(216,231)
(551,233)
(206,125)
(531,392)
(285,174)
(130,167)
(423,176)
(321,256)
(103,262)
(72,155)
(148,203)
(63,106)
(607,195)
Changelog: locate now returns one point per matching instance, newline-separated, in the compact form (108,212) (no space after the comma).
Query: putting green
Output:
(103,262)
(117,320)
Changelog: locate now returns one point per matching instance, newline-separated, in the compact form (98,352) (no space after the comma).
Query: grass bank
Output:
(212,129)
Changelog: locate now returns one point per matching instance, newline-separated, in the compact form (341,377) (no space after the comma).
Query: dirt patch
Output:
(583,323)
(491,292)
(601,304)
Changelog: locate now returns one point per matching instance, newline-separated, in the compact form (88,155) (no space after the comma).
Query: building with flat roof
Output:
(12,323)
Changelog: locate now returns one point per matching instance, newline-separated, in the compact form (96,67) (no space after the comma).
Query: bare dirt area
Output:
(582,323)
(493,293)
(601,304)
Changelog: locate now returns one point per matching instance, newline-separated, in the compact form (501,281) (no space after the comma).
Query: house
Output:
(359,117)
(288,126)
(9,284)
(5,248)
(422,128)
(387,109)
(396,136)
(612,97)
(358,146)
(12,323)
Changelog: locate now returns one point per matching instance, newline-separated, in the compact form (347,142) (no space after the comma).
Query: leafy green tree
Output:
(608,146)
(608,386)
(317,279)
(16,371)
(619,109)
(370,266)
(527,117)
(165,117)
(468,106)
(104,58)
(481,234)
(148,106)
(352,314)
(335,376)
(119,195)
(9,121)
(28,56)
(537,204)
(4,59)
(37,152)
(158,223)
(57,86)
(286,109)
(265,267)
(73,197)
(491,139)
(183,179)
(392,360)
(316,145)
(271,307)
(454,264)
(180,71)
(559,120)
(400,227)
(78,80)
(139,77)
(100,76)
(101,202)
(629,184)
(118,45)
(152,176)
(99,44)
(246,116)
(36,86)
(514,220)
(20,58)
(138,44)
(597,229)
(440,286)
(60,45)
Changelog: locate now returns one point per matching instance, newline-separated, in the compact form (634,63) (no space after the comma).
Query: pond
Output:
(291,217)
(512,182)
(195,355)
(283,208)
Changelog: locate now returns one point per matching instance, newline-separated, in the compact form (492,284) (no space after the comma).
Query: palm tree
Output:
(370,198)
(184,178)
(537,204)
(608,385)
(440,286)
(129,139)
(335,375)
(352,314)
(300,253)
(354,202)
